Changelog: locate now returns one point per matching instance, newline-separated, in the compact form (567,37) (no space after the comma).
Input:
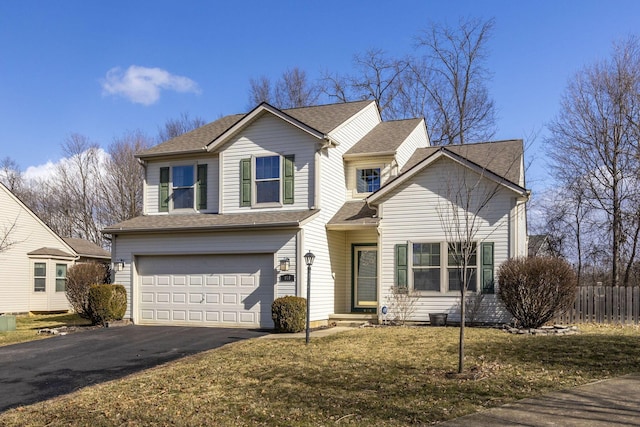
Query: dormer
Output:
(380,155)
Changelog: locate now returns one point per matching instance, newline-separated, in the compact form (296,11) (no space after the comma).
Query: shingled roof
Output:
(385,138)
(194,222)
(50,252)
(87,249)
(352,214)
(323,118)
(504,158)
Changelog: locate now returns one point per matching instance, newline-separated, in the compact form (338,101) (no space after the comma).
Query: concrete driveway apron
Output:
(39,370)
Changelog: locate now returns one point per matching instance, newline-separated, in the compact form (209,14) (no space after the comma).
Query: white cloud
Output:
(38,172)
(142,85)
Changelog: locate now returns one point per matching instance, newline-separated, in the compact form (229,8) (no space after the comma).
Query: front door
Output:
(365,278)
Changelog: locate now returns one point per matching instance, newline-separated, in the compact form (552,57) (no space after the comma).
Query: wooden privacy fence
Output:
(604,304)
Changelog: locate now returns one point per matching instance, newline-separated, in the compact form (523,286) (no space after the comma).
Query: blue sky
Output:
(57,57)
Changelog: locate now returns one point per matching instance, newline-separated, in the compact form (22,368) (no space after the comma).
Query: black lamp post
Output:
(308,259)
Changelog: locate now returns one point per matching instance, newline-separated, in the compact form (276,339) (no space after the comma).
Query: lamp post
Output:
(308,259)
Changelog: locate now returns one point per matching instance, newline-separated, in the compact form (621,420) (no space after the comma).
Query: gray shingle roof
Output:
(323,118)
(51,252)
(386,137)
(86,248)
(354,213)
(503,158)
(164,223)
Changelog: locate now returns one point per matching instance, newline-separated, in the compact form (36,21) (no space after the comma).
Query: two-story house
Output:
(231,208)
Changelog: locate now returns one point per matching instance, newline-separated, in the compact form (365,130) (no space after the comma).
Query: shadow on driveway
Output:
(39,370)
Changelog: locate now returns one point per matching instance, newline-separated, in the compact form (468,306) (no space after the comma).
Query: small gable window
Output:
(368,180)
(39,277)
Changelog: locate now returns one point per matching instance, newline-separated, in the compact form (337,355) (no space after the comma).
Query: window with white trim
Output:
(367,180)
(429,270)
(39,276)
(61,277)
(183,186)
(267,179)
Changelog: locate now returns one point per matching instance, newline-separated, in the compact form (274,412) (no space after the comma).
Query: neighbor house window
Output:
(39,277)
(61,277)
(183,187)
(426,266)
(267,179)
(368,180)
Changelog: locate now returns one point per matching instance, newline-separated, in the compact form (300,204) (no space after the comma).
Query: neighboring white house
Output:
(35,260)
(231,208)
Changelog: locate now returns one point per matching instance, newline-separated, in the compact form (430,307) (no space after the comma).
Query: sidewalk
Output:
(613,402)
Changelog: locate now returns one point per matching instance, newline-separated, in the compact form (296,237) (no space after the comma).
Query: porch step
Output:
(352,319)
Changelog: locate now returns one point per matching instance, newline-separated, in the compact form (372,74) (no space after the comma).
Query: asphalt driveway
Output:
(39,370)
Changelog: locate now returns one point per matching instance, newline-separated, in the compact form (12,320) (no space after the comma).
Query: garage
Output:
(206,290)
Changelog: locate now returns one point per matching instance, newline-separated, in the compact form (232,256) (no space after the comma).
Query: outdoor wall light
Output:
(284,264)
(119,265)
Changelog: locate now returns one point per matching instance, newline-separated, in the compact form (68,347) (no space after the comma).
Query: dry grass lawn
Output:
(27,326)
(376,376)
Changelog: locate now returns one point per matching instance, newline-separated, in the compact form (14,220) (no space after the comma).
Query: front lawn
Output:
(374,376)
(27,326)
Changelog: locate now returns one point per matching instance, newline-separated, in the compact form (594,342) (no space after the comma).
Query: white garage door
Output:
(207,290)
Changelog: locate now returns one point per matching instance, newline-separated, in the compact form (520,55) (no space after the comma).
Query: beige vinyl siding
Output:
(152,181)
(416,139)
(127,247)
(330,264)
(387,171)
(412,214)
(50,300)
(269,135)
(16,269)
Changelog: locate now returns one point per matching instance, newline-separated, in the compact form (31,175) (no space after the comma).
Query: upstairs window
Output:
(368,180)
(39,277)
(183,186)
(61,277)
(268,179)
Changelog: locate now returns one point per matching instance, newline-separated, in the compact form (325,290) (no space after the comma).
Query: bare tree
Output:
(6,236)
(292,90)
(11,176)
(596,136)
(178,126)
(452,72)
(122,179)
(260,91)
(377,76)
(466,219)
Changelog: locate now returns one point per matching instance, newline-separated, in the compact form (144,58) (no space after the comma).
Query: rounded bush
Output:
(289,314)
(107,302)
(80,278)
(536,289)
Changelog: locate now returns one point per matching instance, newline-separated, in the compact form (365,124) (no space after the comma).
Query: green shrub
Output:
(106,303)
(289,314)
(536,289)
(80,278)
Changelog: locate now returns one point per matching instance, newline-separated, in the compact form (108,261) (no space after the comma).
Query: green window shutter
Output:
(287,181)
(401,266)
(163,203)
(488,283)
(201,201)
(245,182)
